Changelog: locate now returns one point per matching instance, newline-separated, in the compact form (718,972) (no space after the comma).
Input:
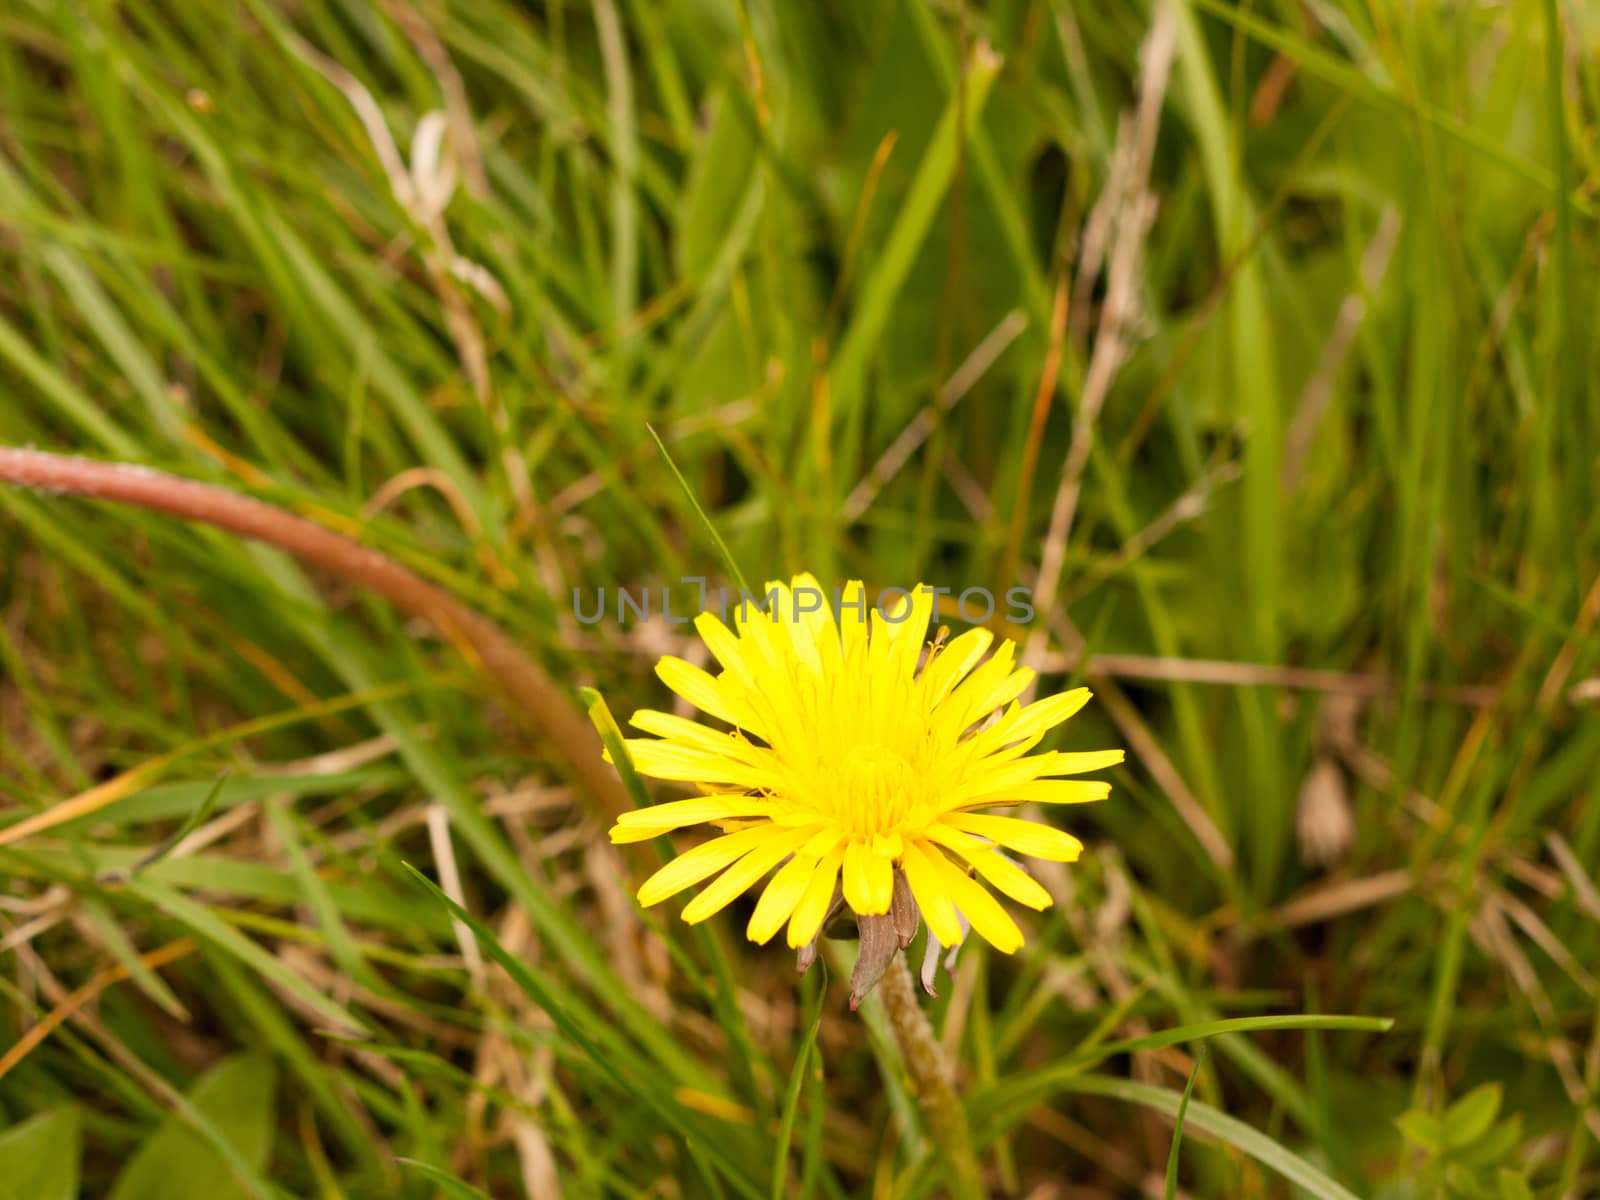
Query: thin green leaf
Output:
(791,1095)
(1177,1127)
(194,820)
(200,920)
(451,1185)
(611,737)
(654,1092)
(716,538)
(1021,1092)
(1269,1153)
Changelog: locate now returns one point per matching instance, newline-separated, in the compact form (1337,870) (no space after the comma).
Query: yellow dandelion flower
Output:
(855,770)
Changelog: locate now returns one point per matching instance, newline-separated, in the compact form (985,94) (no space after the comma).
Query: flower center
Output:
(878,790)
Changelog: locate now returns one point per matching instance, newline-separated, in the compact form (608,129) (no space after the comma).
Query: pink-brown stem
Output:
(535,696)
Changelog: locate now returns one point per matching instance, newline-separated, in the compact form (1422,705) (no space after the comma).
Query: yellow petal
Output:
(738,878)
(904,623)
(1050,712)
(853,618)
(1001,693)
(868,880)
(814,901)
(988,778)
(760,640)
(690,867)
(1059,791)
(816,620)
(930,893)
(823,843)
(724,647)
(1007,877)
(1021,724)
(1088,760)
(1043,791)
(667,760)
(1025,837)
(959,710)
(983,911)
(797,631)
(642,824)
(951,665)
(700,737)
(1004,778)
(824,630)
(779,898)
(703,691)
(991,748)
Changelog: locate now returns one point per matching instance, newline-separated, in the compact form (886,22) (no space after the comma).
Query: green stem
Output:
(930,1077)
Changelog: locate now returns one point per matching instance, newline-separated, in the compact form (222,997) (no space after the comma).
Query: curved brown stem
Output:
(536,697)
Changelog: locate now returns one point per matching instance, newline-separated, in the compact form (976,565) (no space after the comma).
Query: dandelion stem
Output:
(930,1076)
(537,698)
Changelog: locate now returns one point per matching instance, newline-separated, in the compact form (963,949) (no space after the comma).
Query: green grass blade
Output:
(803,1056)
(1177,1126)
(193,821)
(1266,1151)
(705,521)
(451,1186)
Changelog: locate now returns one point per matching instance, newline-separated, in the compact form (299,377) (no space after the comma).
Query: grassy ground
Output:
(1268,367)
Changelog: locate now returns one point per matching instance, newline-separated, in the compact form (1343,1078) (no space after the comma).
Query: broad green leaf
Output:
(238,1098)
(39,1157)
(717,179)
(1422,1129)
(1512,1185)
(1469,1118)
(1493,1147)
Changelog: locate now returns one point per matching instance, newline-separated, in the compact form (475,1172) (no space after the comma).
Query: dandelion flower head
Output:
(855,767)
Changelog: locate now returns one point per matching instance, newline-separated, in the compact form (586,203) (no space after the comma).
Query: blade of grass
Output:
(197,817)
(882,283)
(611,738)
(449,1183)
(804,1054)
(1177,1128)
(1354,81)
(590,1039)
(1021,1091)
(201,921)
(716,538)
(1269,1153)
(723,996)
(115,939)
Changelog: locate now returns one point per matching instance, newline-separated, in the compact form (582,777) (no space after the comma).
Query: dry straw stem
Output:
(1318,393)
(1224,673)
(535,696)
(68,1004)
(1127,205)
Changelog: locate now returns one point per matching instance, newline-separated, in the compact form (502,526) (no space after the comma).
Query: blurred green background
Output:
(1257,338)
